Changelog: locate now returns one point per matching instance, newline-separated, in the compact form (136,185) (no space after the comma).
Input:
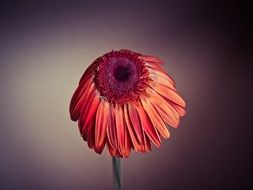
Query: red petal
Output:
(87,129)
(101,125)
(110,149)
(79,98)
(120,128)
(135,121)
(101,148)
(147,144)
(133,136)
(124,142)
(88,112)
(111,129)
(87,73)
(148,127)
(127,143)
(89,135)
(155,118)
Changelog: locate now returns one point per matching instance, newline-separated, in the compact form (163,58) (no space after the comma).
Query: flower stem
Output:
(116,167)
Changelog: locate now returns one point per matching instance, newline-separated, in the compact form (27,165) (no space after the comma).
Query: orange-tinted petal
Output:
(133,136)
(162,78)
(180,110)
(127,143)
(112,151)
(155,118)
(120,128)
(151,59)
(148,127)
(101,125)
(111,129)
(169,94)
(129,116)
(164,108)
(110,148)
(124,144)
(101,148)
(167,112)
(135,121)
(154,66)
(147,145)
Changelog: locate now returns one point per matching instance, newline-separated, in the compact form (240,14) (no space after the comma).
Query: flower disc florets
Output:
(120,76)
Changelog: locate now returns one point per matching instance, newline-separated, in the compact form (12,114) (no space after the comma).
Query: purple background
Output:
(45,48)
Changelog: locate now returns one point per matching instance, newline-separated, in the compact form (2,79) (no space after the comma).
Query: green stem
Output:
(116,167)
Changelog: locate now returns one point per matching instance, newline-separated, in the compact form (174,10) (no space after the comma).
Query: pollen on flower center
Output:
(120,76)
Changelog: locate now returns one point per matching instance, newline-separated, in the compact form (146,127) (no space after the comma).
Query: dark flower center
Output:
(122,73)
(120,76)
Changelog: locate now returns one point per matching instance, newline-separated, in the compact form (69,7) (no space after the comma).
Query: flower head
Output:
(125,100)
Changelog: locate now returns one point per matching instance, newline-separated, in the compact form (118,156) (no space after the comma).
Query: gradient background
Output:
(45,48)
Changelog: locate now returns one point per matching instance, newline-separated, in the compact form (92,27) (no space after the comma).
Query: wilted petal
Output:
(101,125)
(111,130)
(131,129)
(155,118)
(80,97)
(169,94)
(148,127)
(124,100)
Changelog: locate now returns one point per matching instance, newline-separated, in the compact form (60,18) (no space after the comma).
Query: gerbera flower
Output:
(125,100)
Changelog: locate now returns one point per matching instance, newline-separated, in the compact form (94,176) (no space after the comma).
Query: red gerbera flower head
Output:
(125,100)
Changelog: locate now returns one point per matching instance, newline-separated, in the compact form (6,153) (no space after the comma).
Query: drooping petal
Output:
(101,148)
(180,110)
(91,136)
(111,129)
(88,72)
(131,129)
(161,78)
(135,121)
(124,144)
(155,118)
(164,108)
(101,125)
(123,114)
(127,143)
(151,59)
(86,129)
(120,128)
(146,147)
(88,112)
(168,114)
(169,94)
(153,65)
(148,127)
(79,98)
(110,148)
